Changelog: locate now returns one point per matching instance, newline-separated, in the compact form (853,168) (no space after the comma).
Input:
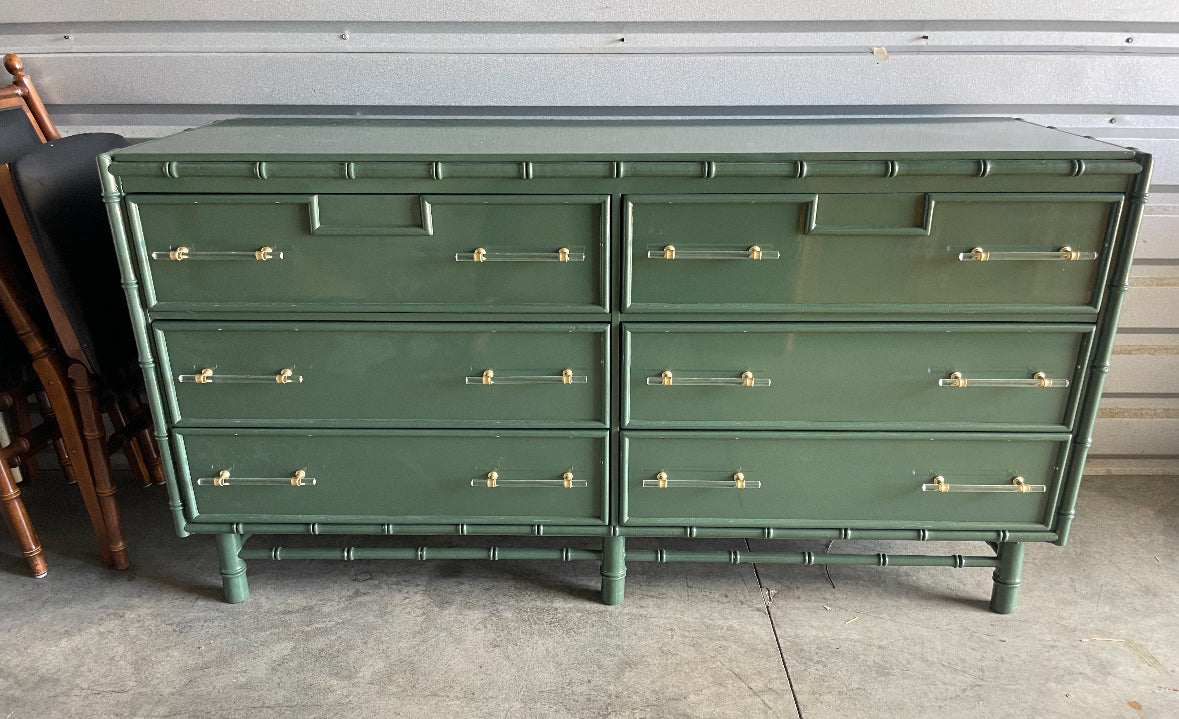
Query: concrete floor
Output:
(1096,633)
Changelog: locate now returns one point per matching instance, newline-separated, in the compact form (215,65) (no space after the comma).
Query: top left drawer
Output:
(373,253)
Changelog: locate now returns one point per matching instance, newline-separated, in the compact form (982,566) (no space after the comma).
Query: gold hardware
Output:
(747,378)
(1069,253)
(563,254)
(205,376)
(284,377)
(568,477)
(755,253)
(492,477)
(980,254)
(666,377)
(669,252)
(222,479)
(1045,380)
(739,480)
(959,381)
(940,481)
(662,477)
(487,376)
(298,477)
(178,254)
(480,254)
(1022,484)
(566,376)
(264,254)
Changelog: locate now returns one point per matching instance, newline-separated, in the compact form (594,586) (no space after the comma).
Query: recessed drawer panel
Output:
(841,479)
(898,253)
(325,475)
(379,374)
(338,253)
(887,375)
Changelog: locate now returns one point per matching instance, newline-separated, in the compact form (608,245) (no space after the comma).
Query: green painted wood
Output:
(437,139)
(372,253)
(857,480)
(874,251)
(395,476)
(381,375)
(1006,578)
(864,376)
(234,585)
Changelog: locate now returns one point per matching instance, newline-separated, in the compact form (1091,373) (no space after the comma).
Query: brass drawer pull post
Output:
(492,481)
(1018,484)
(737,481)
(1066,254)
(297,479)
(1039,379)
(207,376)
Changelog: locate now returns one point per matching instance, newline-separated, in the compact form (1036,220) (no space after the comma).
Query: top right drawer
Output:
(902,253)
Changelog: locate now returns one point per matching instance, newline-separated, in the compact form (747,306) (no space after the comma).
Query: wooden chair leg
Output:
(135,458)
(94,436)
(147,443)
(17,519)
(22,423)
(59,445)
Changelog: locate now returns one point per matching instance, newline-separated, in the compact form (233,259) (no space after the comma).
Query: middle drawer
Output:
(848,375)
(359,374)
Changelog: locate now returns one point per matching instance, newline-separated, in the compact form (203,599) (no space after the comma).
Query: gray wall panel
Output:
(1105,69)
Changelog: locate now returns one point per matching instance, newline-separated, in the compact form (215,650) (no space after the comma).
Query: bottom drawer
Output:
(396,476)
(859,480)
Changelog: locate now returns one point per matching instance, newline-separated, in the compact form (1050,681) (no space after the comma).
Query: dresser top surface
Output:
(294,138)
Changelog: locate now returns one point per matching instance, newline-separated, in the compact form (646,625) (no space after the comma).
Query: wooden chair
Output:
(52,253)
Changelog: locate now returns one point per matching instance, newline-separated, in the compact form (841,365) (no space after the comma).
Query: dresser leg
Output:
(1006,587)
(233,569)
(613,569)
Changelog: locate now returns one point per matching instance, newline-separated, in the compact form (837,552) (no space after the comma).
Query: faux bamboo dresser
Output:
(763,330)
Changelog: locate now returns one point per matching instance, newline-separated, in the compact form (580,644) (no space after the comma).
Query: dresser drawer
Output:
(381,374)
(894,376)
(373,252)
(868,253)
(395,476)
(841,480)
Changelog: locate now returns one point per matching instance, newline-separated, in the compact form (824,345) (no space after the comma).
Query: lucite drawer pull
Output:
(1066,254)
(737,481)
(298,479)
(490,377)
(482,255)
(1018,484)
(207,376)
(668,379)
(492,480)
(1039,379)
(669,252)
(183,253)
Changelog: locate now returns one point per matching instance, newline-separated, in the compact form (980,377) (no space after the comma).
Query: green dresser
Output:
(856,329)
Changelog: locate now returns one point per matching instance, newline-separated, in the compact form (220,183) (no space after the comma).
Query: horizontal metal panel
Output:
(900,37)
(1158,235)
(1144,364)
(1148,307)
(1142,11)
(537,80)
(1143,436)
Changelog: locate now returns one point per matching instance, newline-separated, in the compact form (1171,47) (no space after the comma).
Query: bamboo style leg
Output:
(59,445)
(1005,590)
(130,447)
(147,443)
(94,436)
(22,424)
(613,569)
(233,568)
(17,519)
